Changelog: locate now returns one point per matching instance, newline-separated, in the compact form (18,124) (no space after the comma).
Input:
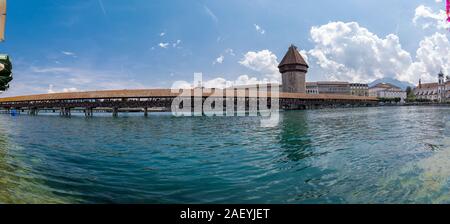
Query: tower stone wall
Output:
(294,82)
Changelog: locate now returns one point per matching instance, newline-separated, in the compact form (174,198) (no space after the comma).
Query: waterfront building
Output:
(387,90)
(322,87)
(437,91)
(426,91)
(339,88)
(359,89)
(312,88)
(293,69)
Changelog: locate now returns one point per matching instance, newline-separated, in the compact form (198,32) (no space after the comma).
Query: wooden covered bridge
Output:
(148,100)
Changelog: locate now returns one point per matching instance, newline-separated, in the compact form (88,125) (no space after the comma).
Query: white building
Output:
(387,90)
(312,88)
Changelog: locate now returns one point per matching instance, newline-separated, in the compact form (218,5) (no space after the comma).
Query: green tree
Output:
(409,91)
(410,97)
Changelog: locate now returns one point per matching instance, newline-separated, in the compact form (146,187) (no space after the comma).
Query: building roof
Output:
(428,85)
(293,57)
(385,86)
(311,83)
(148,93)
(332,83)
(359,84)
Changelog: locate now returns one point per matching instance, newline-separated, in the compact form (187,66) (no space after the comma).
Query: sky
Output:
(73,45)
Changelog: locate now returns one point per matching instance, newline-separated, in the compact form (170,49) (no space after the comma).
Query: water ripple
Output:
(363,155)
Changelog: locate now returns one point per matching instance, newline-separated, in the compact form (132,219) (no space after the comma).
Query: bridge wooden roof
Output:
(149,93)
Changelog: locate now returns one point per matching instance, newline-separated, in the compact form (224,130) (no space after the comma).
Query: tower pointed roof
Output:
(293,57)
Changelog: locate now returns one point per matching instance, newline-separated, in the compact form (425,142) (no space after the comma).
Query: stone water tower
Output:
(293,69)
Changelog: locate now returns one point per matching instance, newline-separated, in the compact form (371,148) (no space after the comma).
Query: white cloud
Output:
(223,83)
(259,29)
(181,84)
(305,56)
(162,34)
(68,90)
(50,89)
(68,53)
(219,60)
(64,90)
(264,62)
(219,39)
(427,18)
(220,82)
(230,51)
(176,43)
(247,80)
(432,56)
(349,52)
(49,69)
(163,45)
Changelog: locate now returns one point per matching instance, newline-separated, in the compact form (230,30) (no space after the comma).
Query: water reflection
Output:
(295,137)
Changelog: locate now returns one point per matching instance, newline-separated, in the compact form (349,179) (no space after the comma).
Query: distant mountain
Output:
(402,85)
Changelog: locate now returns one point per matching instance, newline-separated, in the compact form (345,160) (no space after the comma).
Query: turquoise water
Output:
(362,155)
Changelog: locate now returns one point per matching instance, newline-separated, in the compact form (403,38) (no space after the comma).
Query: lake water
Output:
(359,155)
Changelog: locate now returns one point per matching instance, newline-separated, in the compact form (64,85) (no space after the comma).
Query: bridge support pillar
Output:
(115,112)
(33,111)
(89,112)
(145,112)
(65,112)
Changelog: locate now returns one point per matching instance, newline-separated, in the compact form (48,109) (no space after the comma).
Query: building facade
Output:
(359,89)
(387,90)
(312,88)
(339,88)
(437,91)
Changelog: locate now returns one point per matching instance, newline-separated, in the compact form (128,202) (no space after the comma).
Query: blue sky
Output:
(73,45)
